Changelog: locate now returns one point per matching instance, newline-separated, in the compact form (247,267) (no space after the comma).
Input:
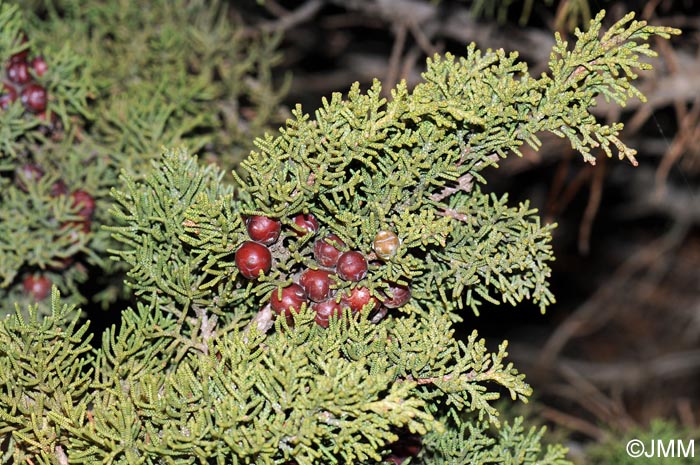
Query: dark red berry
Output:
(397,296)
(34,98)
(18,72)
(37,286)
(324,310)
(29,173)
(263,229)
(352,266)
(8,95)
(317,284)
(252,258)
(86,203)
(289,300)
(326,250)
(58,188)
(40,66)
(307,223)
(358,298)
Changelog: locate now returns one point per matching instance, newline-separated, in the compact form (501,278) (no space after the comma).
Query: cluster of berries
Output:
(316,286)
(39,286)
(20,83)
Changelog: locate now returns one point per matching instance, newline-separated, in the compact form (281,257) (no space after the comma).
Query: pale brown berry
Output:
(385,244)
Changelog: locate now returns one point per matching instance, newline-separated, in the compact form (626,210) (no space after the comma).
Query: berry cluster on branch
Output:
(21,82)
(316,284)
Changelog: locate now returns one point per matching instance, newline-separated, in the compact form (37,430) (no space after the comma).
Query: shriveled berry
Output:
(40,66)
(62,263)
(289,300)
(397,296)
(29,173)
(50,122)
(263,229)
(8,95)
(352,266)
(385,244)
(85,201)
(58,188)
(307,223)
(327,250)
(407,446)
(316,283)
(252,258)
(37,286)
(21,56)
(72,229)
(34,98)
(18,72)
(324,310)
(358,298)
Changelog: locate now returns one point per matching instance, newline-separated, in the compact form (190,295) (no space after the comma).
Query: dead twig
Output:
(392,72)
(288,20)
(574,423)
(594,197)
(588,316)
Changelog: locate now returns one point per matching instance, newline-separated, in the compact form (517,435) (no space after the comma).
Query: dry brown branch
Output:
(464,183)
(685,413)
(594,197)
(392,72)
(574,423)
(687,135)
(294,18)
(572,188)
(588,316)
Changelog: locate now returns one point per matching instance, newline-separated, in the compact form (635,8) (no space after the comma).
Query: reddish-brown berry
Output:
(40,66)
(352,266)
(397,296)
(252,258)
(307,223)
(358,298)
(34,98)
(289,300)
(37,286)
(8,95)
(325,310)
(316,283)
(327,250)
(263,229)
(29,173)
(58,188)
(18,72)
(85,201)
(385,244)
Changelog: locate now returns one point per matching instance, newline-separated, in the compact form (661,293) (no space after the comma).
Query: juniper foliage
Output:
(123,79)
(194,375)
